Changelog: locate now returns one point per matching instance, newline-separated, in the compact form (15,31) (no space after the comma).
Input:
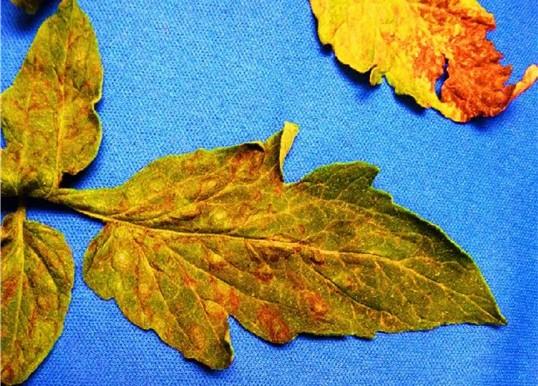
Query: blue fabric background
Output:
(180,75)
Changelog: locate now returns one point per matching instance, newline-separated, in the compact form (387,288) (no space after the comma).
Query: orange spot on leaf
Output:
(233,301)
(316,305)
(9,288)
(273,324)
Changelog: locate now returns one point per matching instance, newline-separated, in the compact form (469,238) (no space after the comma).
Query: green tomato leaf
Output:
(29,6)
(194,238)
(37,277)
(48,116)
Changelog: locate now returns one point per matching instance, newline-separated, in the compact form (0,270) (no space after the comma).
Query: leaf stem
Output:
(20,213)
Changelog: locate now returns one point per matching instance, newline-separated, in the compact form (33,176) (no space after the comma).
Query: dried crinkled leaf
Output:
(48,116)
(194,238)
(30,6)
(37,277)
(410,42)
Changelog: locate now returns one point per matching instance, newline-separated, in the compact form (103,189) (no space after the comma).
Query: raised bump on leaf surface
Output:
(48,116)
(408,43)
(37,277)
(193,238)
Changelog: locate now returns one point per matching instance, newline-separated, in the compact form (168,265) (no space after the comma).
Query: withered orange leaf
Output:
(48,116)
(194,238)
(411,42)
(37,277)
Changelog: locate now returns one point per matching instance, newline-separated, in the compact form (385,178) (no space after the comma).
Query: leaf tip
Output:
(527,81)
(500,320)
(287,137)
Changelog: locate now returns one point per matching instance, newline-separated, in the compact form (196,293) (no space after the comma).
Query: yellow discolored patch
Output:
(410,42)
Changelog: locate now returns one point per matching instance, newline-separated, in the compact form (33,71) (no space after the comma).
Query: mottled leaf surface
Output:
(30,6)
(410,42)
(48,116)
(194,238)
(37,277)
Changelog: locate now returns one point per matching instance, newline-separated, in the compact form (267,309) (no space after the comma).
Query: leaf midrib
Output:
(19,247)
(61,123)
(291,245)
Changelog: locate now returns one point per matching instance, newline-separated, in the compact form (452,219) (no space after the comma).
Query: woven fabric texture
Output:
(180,75)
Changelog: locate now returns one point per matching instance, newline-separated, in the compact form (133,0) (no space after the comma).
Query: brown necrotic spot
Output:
(246,162)
(316,257)
(196,335)
(216,262)
(316,305)
(233,301)
(273,325)
(296,280)
(278,188)
(9,288)
(274,254)
(8,374)
(264,273)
